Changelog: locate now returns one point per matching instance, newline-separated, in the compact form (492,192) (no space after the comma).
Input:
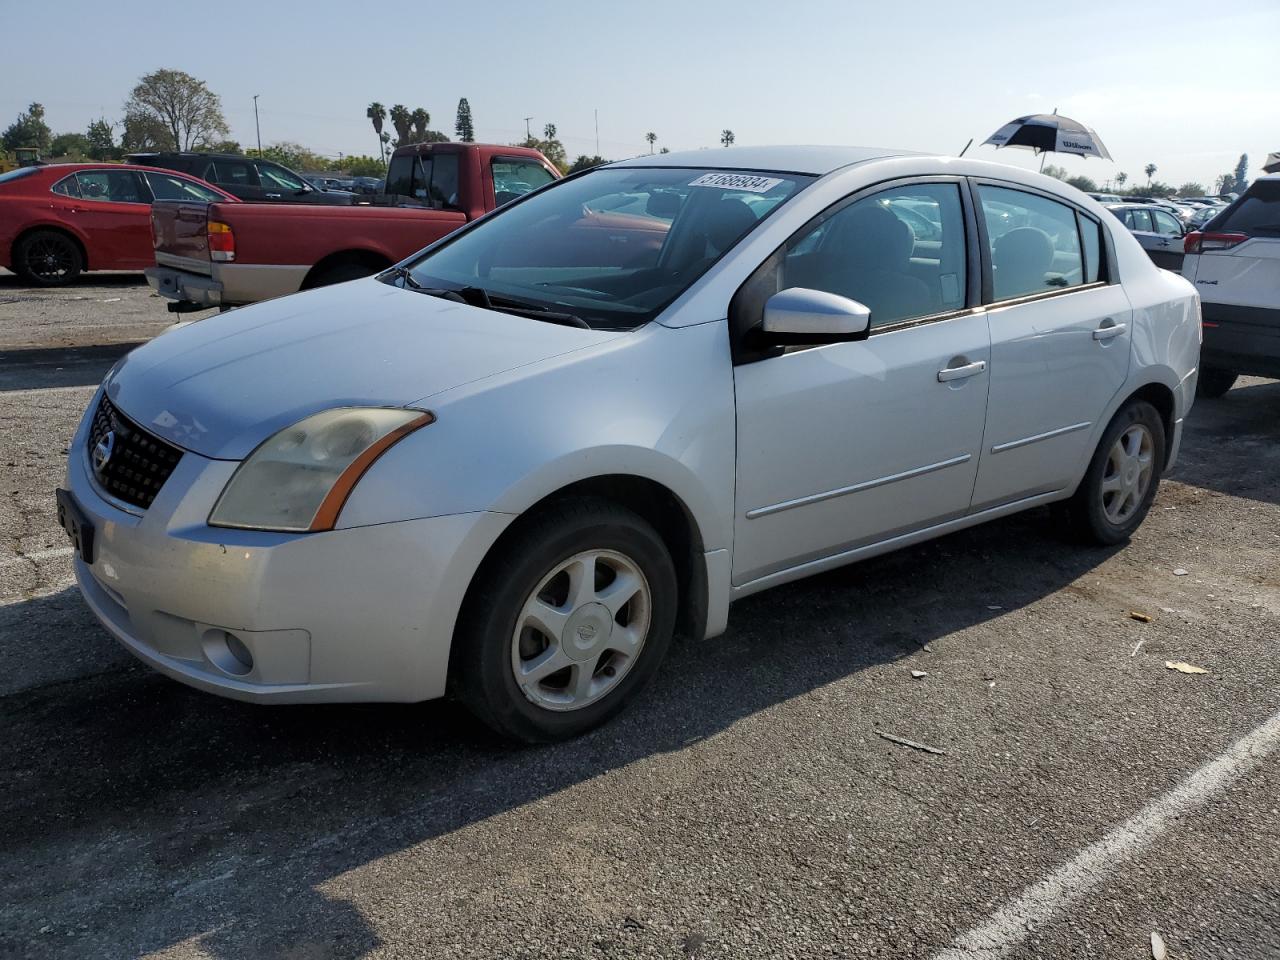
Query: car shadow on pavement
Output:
(147,815)
(1233,443)
(41,368)
(11,281)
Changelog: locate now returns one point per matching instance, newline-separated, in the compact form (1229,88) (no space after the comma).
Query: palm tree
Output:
(549,131)
(401,118)
(726,138)
(1150,171)
(1120,179)
(652,138)
(419,119)
(378,113)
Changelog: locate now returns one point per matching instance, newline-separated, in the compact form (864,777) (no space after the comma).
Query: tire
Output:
(1109,506)
(1213,382)
(341,273)
(594,667)
(47,258)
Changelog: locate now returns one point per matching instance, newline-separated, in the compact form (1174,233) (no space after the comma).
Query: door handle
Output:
(1106,333)
(272,196)
(961,372)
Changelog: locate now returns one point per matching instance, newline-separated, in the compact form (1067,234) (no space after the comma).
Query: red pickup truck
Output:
(228,254)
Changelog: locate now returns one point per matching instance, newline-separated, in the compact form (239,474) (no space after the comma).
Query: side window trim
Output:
(1106,260)
(751,288)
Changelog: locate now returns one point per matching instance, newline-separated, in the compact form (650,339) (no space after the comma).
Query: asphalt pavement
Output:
(757,802)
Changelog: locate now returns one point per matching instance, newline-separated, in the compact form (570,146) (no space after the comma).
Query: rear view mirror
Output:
(803,316)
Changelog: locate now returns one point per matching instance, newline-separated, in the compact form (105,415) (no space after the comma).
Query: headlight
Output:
(300,478)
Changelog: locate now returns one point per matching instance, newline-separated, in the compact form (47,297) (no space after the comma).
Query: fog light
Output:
(227,652)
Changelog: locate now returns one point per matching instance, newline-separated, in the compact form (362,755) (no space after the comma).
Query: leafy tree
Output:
(70,145)
(585,162)
(29,130)
(176,109)
(1120,179)
(1156,188)
(1191,189)
(294,156)
(1150,171)
(1058,173)
(226,145)
(365,166)
(102,142)
(726,137)
(463,128)
(377,114)
(652,138)
(1242,173)
(1083,183)
(402,120)
(549,147)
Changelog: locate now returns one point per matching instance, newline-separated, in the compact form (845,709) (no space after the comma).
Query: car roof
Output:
(816,160)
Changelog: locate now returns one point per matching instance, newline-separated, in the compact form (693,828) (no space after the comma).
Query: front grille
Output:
(129,463)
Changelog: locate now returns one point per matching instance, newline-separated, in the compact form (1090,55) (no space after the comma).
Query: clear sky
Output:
(1188,86)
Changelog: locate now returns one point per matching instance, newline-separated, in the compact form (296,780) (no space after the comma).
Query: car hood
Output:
(222,385)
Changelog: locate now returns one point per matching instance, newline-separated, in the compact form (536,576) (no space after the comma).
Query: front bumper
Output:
(356,614)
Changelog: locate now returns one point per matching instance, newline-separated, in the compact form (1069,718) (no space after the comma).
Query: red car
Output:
(59,220)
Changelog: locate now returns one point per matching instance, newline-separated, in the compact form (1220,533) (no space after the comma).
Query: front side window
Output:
(612,248)
(1034,243)
(1139,220)
(514,178)
(1166,223)
(278,178)
(901,253)
(114,186)
(168,186)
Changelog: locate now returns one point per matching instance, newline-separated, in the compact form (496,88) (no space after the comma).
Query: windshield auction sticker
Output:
(736,181)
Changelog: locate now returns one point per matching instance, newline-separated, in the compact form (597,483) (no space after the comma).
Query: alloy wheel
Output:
(581,630)
(1128,473)
(49,258)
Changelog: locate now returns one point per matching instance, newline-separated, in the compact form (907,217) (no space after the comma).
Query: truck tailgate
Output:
(179,230)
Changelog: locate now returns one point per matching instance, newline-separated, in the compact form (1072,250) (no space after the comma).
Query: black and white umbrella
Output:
(1048,132)
(1272,163)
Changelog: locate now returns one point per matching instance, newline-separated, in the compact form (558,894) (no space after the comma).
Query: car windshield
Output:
(611,248)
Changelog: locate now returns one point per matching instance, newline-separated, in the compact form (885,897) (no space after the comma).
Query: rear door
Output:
(1166,243)
(113,210)
(1059,341)
(237,176)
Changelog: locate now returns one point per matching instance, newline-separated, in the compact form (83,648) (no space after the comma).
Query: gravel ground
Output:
(746,807)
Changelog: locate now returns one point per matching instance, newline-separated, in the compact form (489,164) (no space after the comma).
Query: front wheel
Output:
(1122,479)
(567,624)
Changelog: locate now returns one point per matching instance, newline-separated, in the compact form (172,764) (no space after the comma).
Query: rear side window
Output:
(114,186)
(236,173)
(1138,220)
(1256,214)
(1034,243)
(429,179)
(67,187)
(1091,230)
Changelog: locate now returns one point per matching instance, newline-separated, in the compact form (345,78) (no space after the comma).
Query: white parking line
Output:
(1011,924)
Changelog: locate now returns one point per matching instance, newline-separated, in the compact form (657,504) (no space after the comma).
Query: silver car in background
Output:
(512,467)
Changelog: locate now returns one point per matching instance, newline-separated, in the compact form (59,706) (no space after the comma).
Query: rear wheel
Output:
(47,258)
(1122,479)
(568,624)
(1213,382)
(341,273)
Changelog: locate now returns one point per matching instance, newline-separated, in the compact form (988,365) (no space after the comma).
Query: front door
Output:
(848,444)
(1060,342)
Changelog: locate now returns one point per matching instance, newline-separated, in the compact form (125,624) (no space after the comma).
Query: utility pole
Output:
(597,131)
(528,134)
(255,123)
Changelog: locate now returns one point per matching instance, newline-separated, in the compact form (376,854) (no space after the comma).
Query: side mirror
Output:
(803,316)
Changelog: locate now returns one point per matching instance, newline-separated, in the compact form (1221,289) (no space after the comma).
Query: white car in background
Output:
(1234,262)
(511,467)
